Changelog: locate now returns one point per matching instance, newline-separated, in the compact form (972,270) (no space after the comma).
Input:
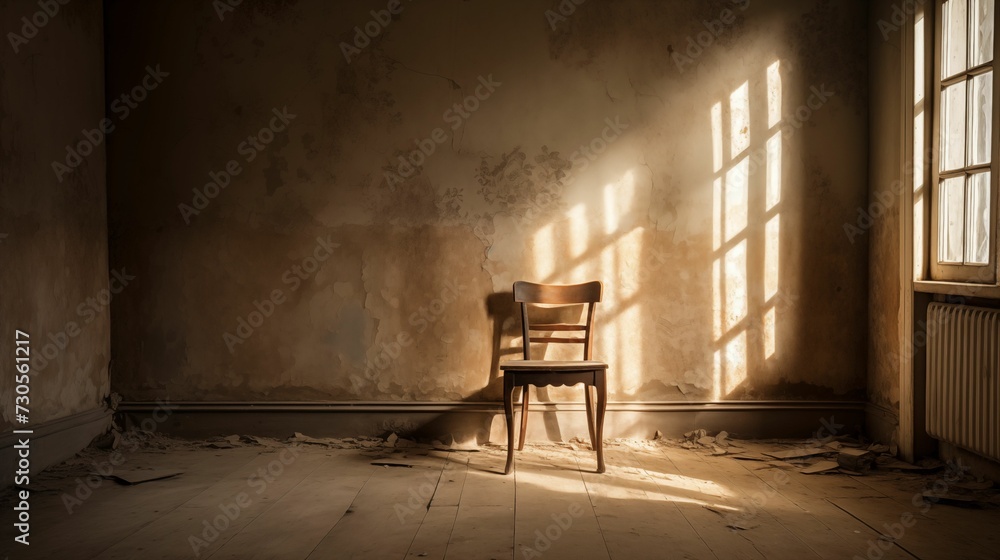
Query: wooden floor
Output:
(654,502)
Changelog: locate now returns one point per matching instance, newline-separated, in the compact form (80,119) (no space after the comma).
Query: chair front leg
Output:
(508,410)
(590,414)
(601,382)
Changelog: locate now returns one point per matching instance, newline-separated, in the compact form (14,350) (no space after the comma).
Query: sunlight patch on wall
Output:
(772,262)
(773,94)
(717,375)
(773,170)
(579,228)
(543,248)
(736,362)
(629,358)
(717,199)
(618,199)
(744,293)
(608,342)
(739,116)
(579,248)
(717,137)
(769,318)
(717,294)
(611,217)
(734,284)
(737,199)
(629,249)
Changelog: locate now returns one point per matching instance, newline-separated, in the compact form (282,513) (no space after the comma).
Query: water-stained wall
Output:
(330,200)
(54,282)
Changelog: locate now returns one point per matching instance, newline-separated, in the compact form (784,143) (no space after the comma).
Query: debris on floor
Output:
(856,460)
(578,444)
(798,453)
(886,461)
(833,455)
(719,444)
(359,442)
(109,440)
(455,446)
(403,443)
(820,467)
(846,456)
(965,492)
(133,477)
(974,485)
(298,437)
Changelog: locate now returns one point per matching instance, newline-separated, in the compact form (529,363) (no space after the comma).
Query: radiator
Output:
(963,377)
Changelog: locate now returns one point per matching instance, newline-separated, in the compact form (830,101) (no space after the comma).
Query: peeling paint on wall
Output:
(595,157)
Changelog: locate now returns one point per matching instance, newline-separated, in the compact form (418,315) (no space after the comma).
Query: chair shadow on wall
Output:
(505,325)
(505,318)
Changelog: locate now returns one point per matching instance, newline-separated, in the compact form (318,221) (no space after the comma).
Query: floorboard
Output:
(384,517)
(654,501)
(637,516)
(484,527)
(299,520)
(207,521)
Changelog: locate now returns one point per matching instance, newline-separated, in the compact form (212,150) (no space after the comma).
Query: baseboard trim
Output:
(460,406)
(484,421)
(54,441)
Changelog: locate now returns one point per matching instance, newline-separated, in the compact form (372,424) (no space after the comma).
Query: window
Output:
(964,204)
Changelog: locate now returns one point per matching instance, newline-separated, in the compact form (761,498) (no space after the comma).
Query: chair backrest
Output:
(588,293)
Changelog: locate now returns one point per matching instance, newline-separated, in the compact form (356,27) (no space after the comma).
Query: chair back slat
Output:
(554,294)
(529,292)
(557,339)
(557,327)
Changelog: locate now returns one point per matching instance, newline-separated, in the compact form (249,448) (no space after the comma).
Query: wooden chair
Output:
(522,373)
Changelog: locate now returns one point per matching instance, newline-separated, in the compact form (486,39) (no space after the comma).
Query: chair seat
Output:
(553,365)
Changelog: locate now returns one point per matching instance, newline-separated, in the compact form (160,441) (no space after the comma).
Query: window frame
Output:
(955,272)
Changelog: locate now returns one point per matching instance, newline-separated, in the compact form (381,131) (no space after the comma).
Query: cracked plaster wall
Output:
(412,302)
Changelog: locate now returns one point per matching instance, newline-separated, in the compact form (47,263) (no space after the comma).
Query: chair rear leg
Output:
(590,415)
(524,416)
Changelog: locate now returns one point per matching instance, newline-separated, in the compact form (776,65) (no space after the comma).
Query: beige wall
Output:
(703,299)
(886,155)
(53,250)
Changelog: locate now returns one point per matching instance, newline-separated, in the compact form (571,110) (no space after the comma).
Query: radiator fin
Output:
(963,366)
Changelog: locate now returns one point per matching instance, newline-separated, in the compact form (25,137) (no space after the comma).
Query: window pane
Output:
(951,221)
(977,231)
(954,19)
(980,118)
(981,34)
(953,127)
